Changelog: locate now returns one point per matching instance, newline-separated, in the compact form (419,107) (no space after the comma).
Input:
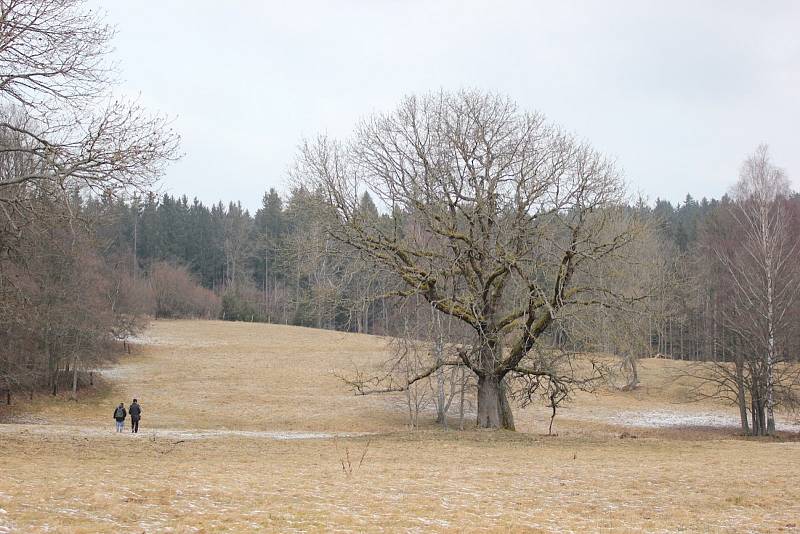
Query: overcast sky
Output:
(678,92)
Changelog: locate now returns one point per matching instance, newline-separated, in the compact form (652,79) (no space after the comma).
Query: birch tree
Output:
(762,268)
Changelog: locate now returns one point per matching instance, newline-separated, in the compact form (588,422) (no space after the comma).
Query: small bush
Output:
(242,304)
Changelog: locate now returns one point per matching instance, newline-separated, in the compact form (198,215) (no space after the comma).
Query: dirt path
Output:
(47,429)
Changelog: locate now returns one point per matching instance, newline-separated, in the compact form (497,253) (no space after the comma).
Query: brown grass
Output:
(212,375)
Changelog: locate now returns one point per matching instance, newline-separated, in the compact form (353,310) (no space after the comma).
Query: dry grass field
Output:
(245,428)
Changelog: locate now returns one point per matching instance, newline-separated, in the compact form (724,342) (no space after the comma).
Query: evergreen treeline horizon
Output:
(221,241)
(260,266)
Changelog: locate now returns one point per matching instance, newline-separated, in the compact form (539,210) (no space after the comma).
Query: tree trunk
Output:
(461,400)
(51,362)
(505,407)
(75,378)
(759,417)
(411,421)
(740,394)
(266,273)
(438,349)
(494,410)
(488,402)
(633,378)
(441,411)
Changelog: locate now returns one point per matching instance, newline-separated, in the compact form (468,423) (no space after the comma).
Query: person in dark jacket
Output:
(136,413)
(119,416)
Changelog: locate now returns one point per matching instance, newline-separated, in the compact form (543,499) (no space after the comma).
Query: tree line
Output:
(263,258)
(273,266)
(279,266)
(64,137)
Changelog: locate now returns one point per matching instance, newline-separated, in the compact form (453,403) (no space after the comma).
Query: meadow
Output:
(246,428)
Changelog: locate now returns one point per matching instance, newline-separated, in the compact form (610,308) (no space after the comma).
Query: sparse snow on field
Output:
(118,371)
(430,522)
(5,524)
(171,433)
(673,418)
(141,340)
(24,419)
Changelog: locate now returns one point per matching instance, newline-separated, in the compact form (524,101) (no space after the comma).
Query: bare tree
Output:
(646,270)
(177,294)
(55,90)
(52,52)
(494,213)
(55,304)
(236,228)
(762,269)
(419,346)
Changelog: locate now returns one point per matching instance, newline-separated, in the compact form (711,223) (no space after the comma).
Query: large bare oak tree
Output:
(497,218)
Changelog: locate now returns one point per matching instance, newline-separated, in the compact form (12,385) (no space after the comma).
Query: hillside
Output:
(206,375)
(245,428)
(228,375)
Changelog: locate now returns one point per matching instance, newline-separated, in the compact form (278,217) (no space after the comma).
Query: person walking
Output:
(136,413)
(119,417)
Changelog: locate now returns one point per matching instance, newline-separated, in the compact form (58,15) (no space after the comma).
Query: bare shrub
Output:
(132,301)
(178,295)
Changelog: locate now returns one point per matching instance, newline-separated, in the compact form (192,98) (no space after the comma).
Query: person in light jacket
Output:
(119,416)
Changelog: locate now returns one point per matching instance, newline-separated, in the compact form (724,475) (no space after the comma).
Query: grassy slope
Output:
(245,376)
(216,374)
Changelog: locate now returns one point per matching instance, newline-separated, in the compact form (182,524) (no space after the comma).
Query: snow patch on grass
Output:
(666,418)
